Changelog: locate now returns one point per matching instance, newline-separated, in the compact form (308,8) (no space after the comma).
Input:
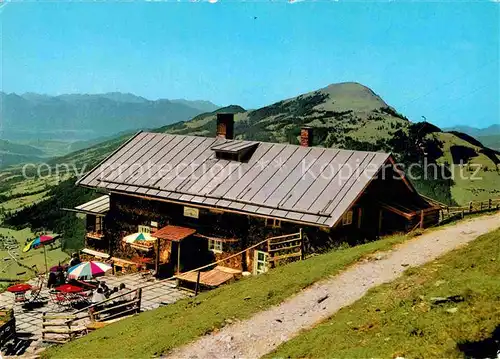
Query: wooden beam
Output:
(312,224)
(178,257)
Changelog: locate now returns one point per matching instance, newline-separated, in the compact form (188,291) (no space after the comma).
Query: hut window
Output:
(347,218)
(144,229)
(273,222)
(98,224)
(215,245)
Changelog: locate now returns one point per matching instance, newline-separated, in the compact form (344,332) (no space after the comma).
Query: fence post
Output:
(470,207)
(196,288)
(422,219)
(302,252)
(489,203)
(139,296)
(463,214)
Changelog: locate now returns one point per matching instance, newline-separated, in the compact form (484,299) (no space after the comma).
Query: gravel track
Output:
(260,334)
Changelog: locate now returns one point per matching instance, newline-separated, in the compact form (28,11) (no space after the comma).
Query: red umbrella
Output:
(19,288)
(59,268)
(69,288)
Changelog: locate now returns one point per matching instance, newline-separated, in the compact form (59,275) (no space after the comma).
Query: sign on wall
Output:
(191,212)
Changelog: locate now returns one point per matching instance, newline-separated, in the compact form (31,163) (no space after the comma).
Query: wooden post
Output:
(139,297)
(157,260)
(470,207)
(178,257)
(489,203)
(463,214)
(422,219)
(197,284)
(302,255)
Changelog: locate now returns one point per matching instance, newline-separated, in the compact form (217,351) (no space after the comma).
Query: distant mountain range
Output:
(352,116)
(489,136)
(81,117)
(476,132)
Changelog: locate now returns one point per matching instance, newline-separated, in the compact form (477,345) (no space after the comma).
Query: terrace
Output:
(29,314)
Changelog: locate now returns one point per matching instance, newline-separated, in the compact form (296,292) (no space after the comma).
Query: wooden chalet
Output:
(205,199)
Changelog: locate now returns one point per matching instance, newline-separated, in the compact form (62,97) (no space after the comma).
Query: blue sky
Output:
(438,60)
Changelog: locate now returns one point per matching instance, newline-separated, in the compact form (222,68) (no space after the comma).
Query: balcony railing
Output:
(95,235)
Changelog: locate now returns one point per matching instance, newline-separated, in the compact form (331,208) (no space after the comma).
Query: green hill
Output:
(350,115)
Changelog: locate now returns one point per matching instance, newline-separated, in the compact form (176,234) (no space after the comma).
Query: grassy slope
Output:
(471,186)
(16,194)
(155,332)
(398,319)
(10,269)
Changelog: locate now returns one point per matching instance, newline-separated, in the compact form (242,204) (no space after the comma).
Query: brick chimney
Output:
(306,136)
(225,125)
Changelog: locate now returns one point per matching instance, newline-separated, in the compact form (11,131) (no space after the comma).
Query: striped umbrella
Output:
(40,241)
(138,237)
(88,270)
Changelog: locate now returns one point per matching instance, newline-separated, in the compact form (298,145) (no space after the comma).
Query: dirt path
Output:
(261,333)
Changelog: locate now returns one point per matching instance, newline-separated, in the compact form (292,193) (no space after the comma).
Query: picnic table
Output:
(68,295)
(19,291)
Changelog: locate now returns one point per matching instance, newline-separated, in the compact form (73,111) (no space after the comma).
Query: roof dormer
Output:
(235,150)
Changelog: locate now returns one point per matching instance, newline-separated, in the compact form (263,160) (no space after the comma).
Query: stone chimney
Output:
(306,136)
(225,125)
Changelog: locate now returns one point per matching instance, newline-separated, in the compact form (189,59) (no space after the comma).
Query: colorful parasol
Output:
(88,270)
(19,288)
(138,237)
(40,241)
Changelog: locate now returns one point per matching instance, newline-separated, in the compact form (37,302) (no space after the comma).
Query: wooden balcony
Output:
(95,235)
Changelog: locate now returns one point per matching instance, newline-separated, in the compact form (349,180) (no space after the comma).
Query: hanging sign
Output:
(191,212)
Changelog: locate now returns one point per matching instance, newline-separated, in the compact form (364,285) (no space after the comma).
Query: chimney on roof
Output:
(225,125)
(306,136)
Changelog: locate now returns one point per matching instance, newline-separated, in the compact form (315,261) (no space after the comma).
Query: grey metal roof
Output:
(306,184)
(98,206)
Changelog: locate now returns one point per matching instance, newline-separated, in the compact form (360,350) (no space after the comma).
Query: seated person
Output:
(52,280)
(98,296)
(127,297)
(104,287)
(75,260)
(112,293)
(60,278)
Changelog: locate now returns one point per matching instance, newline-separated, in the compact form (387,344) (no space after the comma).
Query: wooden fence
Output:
(285,248)
(449,212)
(61,327)
(116,306)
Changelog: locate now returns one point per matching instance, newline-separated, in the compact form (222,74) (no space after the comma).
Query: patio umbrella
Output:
(69,288)
(138,237)
(88,270)
(18,288)
(59,268)
(41,241)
